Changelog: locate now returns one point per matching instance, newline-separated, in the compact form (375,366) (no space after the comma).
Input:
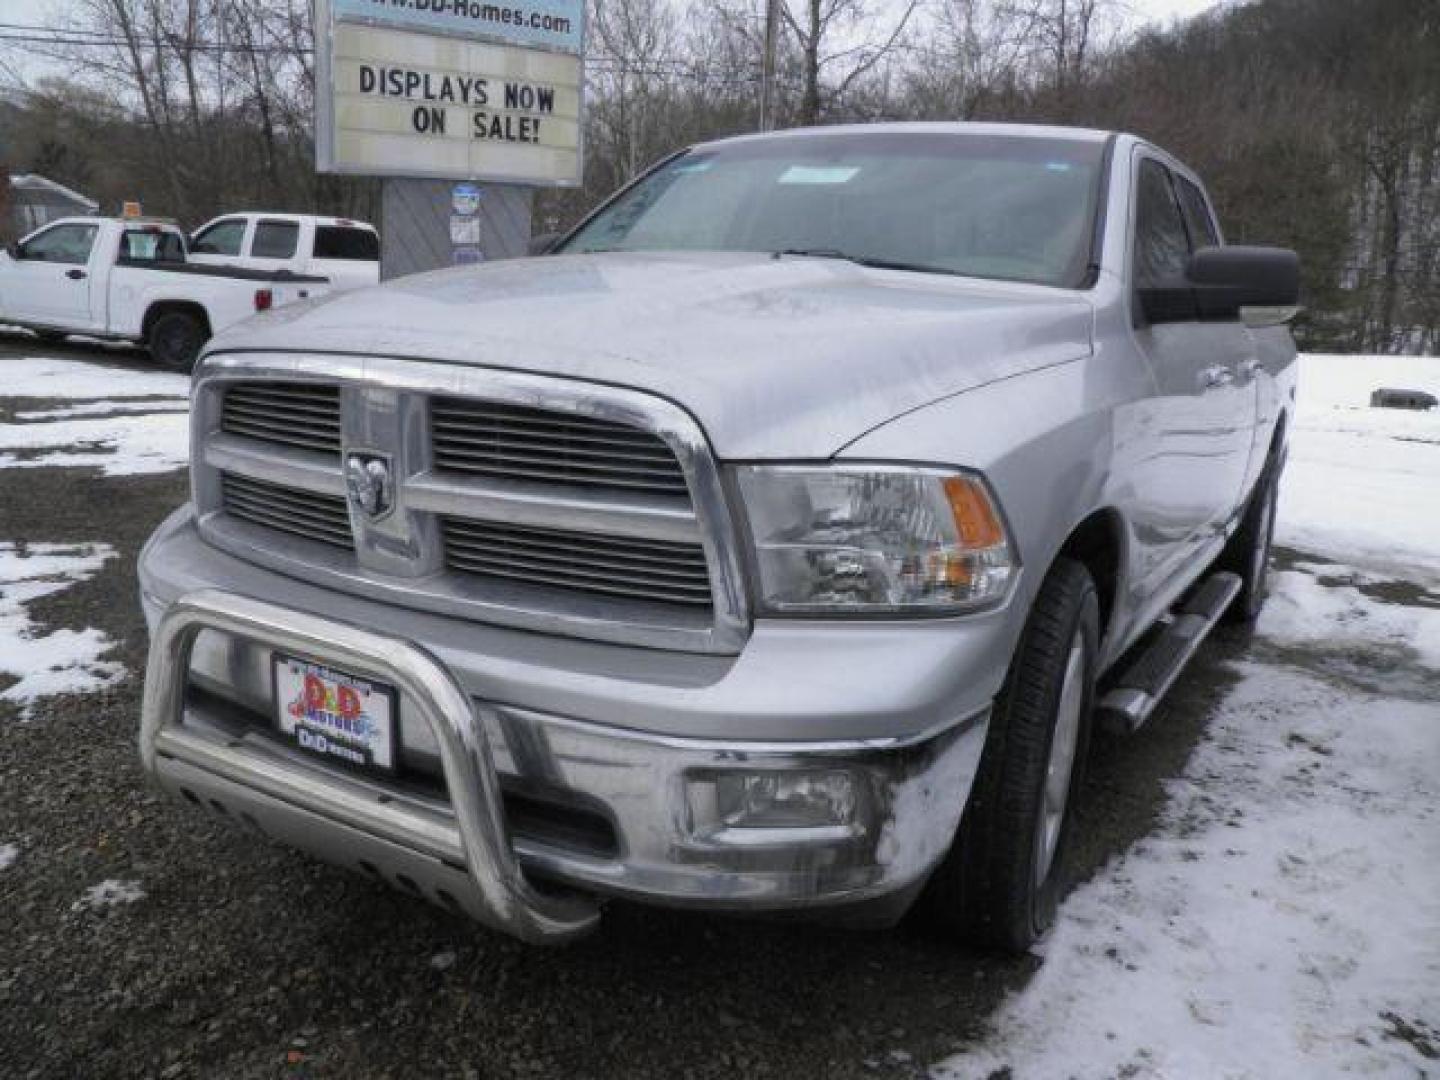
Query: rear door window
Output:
(275,240)
(1162,248)
(222,238)
(342,242)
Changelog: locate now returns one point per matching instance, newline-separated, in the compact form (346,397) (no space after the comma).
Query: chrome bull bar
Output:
(505,900)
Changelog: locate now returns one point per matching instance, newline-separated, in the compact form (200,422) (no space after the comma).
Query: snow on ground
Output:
(53,377)
(99,344)
(109,893)
(104,408)
(1284,919)
(1307,604)
(116,419)
(62,661)
(8,854)
(122,421)
(1363,481)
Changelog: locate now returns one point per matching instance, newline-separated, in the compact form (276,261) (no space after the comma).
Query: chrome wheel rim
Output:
(1061,765)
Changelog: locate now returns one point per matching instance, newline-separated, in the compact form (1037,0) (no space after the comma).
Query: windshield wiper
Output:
(863,260)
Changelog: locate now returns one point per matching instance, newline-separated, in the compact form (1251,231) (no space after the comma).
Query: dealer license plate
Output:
(343,718)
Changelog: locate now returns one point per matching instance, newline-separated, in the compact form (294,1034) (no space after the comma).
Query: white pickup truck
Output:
(347,252)
(129,279)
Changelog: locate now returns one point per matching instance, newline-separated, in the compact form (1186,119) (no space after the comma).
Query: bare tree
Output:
(839,41)
(972,51)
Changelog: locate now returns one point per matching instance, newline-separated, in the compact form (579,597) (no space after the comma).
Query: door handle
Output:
(75,273)
(1219,375)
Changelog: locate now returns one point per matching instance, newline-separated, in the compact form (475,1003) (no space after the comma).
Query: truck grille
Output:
(303,415)
(522,443)
(520,500)
(300,513)
(654,570)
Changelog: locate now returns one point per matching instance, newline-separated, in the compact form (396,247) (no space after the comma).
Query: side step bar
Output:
(1137,692)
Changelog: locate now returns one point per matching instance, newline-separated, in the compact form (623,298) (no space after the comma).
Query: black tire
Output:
(1247,552)
(992,889)
(176,339)
(51,337)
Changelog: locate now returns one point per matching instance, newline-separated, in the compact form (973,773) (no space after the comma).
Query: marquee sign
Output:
(459,89)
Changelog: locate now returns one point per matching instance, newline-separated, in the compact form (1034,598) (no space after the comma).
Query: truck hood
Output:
(786,357)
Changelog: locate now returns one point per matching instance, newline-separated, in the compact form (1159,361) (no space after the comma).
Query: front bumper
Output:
(457,840)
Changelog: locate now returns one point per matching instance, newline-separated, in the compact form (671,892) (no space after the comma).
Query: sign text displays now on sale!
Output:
(443,104)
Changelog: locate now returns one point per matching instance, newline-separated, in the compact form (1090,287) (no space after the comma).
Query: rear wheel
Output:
(176,340)
(1001,882)
(51,337)
(1248,552)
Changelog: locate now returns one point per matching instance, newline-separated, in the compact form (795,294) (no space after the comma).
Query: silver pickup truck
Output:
(769,545)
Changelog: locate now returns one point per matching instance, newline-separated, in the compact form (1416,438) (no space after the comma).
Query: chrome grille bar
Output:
(304,415)
(518,441)
(542,505)
(302,513)
(648,570)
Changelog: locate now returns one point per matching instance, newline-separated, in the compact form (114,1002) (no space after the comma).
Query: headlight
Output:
(874,539)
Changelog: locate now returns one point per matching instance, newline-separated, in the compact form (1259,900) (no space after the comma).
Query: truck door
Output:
(220,242)
(1201,419)
(51,280)
(1252,383)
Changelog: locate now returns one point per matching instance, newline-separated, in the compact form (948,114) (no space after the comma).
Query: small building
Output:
(1388,398)
(36,200)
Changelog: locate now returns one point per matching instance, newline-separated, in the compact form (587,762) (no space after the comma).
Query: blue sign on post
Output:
(544,24)
(465,200)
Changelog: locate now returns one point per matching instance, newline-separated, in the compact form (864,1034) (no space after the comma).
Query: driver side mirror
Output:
(1221,281)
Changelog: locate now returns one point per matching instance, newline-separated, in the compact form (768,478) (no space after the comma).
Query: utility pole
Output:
(767,73)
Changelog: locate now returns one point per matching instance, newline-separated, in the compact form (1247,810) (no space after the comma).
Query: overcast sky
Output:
(1163,11)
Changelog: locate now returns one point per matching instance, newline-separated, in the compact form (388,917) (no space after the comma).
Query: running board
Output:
(1136,693)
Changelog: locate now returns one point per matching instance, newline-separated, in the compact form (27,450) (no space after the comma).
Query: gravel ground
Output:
(240,959)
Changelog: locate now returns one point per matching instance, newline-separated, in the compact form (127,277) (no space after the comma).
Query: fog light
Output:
(784,800)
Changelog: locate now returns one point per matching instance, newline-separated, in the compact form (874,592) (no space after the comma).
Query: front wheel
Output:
(176,340)
(1000,884)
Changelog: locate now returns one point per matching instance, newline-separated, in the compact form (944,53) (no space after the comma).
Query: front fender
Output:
(1046,449)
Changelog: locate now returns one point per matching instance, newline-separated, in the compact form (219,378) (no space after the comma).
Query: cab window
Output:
(61,244)
(275,240)
(151,245)
(1162,248)
(222,238)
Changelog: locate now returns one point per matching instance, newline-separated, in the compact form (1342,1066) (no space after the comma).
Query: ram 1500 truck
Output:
(768,546)
(127,279)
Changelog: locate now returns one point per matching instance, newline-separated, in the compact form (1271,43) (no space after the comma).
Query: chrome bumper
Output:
(458,850)
(490,884)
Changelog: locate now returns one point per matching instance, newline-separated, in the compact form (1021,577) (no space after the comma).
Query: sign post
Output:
(431,93)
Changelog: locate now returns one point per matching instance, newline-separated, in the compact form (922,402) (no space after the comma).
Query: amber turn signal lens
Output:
(975,518)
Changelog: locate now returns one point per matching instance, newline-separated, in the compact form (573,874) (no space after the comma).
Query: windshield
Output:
(1012,207)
